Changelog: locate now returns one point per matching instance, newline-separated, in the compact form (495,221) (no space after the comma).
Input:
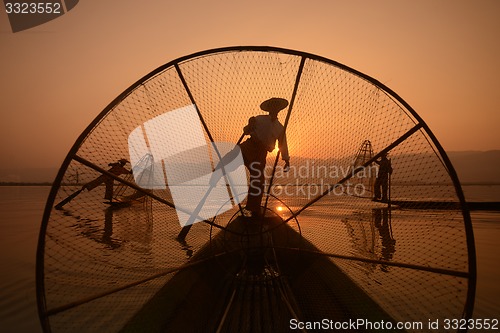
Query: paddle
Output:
(60,205)
(184,231)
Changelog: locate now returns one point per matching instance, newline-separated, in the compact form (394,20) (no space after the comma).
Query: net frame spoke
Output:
(436,270)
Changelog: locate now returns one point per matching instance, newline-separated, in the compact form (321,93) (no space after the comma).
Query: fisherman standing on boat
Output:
(264,130)
(382,181)
(117,169)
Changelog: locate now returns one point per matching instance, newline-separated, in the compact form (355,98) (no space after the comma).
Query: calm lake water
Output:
(21,210)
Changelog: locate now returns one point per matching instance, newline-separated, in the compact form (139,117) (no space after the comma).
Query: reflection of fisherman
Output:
(383,224)
(116,169)
(382,181)
(264,130)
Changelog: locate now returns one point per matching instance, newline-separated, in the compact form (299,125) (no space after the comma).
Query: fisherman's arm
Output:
(248,129)
(284,152)
(119,170)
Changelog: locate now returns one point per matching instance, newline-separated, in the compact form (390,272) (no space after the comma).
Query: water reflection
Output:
(89,228)
(108,229)
(382,221)
(372,238)
(118,225)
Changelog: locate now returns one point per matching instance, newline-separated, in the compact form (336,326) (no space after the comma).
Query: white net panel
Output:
(102,264)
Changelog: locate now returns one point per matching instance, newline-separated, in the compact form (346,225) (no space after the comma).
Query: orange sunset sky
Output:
(442,57)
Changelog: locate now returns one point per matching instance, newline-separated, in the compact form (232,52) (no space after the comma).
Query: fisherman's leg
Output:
(108,195)
(256,187)
(228,158)
(249,153)
(376,189)
(384,189)
(225,165)
(249,158)
(94,183)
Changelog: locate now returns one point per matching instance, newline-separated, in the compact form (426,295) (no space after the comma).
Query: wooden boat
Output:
(271,281)
(322,255)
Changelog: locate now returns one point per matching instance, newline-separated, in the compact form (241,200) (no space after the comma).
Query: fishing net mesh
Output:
(104,262)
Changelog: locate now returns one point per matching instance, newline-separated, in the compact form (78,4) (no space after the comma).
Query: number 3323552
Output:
(33,8)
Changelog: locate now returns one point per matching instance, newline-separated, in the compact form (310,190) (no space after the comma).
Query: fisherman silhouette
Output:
(264,131)
(116,169)
(382,181)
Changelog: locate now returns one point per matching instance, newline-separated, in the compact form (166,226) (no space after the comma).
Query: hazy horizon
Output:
(479,167)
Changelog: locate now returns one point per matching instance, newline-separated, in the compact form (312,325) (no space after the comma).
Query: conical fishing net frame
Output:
(98,265)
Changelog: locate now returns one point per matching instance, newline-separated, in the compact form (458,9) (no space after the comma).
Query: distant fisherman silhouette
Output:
(382,181)
(264,130)
(116,169)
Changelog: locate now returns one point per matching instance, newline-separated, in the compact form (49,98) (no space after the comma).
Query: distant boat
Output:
(322,255)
